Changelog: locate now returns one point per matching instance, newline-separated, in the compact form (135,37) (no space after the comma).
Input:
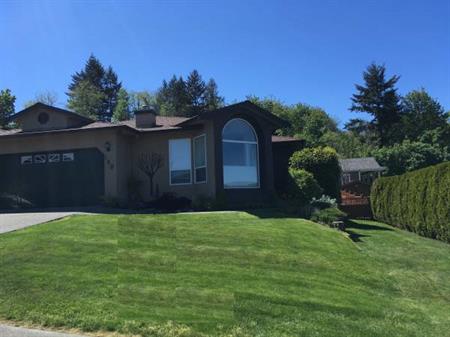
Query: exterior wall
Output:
(57,120)
(282,152)
(69,141)
(158,142)
(264,132)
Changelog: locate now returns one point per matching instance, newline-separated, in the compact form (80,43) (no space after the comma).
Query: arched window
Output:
(240,155)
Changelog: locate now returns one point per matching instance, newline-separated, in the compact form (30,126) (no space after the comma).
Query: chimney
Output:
(145,117)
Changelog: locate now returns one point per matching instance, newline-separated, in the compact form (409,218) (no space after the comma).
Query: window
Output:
(68,156)
(240,155)
(54,158)
(200,159)
(40,159)
(180,161)
(25,160)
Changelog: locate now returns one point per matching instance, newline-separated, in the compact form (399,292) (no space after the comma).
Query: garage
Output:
(55,178)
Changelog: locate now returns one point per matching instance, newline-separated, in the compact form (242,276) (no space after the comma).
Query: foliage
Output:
(46,97)
(417,201)
(421,113)
(170,202)
(323,202)
(141,99)
(122,109)
(306,122)
(346,144)
(328,215)
(222,273)
(302,187)
(409,156)
(323,163)
(87,100)
(379,98)
(187,98)
(7,101)
(96,81)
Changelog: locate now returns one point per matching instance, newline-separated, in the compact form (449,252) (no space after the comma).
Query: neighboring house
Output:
(363,170)
(357,176)
(59,158)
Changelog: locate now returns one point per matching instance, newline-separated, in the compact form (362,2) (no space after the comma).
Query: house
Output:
(363,170)
(58,158)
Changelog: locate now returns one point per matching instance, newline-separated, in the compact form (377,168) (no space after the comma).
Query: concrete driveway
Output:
(13,221)
(9,331)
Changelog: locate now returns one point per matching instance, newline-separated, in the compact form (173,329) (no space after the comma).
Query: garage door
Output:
(54,179)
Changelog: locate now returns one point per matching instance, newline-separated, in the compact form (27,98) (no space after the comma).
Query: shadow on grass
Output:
(355,225)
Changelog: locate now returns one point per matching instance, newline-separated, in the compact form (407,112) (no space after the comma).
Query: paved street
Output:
(13,221)
(8,331)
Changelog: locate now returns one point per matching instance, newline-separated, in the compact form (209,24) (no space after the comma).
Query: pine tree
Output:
(111,89)
(212,98)
(122,109)
(7,101)
(380,99)
(101,81)
(195,87)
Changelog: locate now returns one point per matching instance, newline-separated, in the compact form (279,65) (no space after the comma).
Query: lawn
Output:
(225,274)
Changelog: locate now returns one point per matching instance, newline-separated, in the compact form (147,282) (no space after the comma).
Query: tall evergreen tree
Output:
(195,87)
(188,98)
(212,98)
(379,98)
(101,81)
(7,101)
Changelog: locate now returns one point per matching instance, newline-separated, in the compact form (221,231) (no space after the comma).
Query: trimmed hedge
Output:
(417,201)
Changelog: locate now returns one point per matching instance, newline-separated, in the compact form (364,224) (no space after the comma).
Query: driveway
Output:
(8,331)
(13,221)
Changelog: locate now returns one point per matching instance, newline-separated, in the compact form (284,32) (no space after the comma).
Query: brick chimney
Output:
(145,118)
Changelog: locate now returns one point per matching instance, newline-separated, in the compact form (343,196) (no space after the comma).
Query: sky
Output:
(297,51)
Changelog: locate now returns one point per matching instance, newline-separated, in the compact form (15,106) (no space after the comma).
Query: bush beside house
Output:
(417,201)
(323,163)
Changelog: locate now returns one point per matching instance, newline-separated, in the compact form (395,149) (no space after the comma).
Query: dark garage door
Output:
(54,179)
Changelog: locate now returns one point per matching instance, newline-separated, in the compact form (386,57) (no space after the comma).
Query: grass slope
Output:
(230,274)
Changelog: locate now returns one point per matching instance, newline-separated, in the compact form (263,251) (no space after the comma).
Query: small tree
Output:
(7,101)
(46,97)
(150,163)
(122,109)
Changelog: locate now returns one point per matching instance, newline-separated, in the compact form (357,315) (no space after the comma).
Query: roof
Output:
(360,164)
(282,139)
(163,123)
(242,106)
(52,108)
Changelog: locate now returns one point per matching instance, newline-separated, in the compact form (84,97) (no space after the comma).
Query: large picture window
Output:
(240,155)
(180,161)
(200,159)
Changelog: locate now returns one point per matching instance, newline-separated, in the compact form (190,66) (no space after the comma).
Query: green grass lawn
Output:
(225,274)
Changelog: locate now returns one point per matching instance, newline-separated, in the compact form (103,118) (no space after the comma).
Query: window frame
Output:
(206,160)
(68,157)
(189,141)
(40,158)
(258,175)
(26,160)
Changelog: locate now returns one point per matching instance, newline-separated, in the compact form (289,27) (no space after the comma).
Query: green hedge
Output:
(418,201)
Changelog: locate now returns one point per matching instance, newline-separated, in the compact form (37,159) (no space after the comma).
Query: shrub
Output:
(323,163)
(417,201)
(323,202)
(302,186)
(169,202)
(328,215)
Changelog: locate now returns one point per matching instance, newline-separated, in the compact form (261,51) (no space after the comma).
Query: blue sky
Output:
(298,51)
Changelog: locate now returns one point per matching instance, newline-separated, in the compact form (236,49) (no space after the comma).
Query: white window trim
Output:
(258,177)
(68,157)
(206,161)
(26,160)
(190,169)
(40,155)
(54,157)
